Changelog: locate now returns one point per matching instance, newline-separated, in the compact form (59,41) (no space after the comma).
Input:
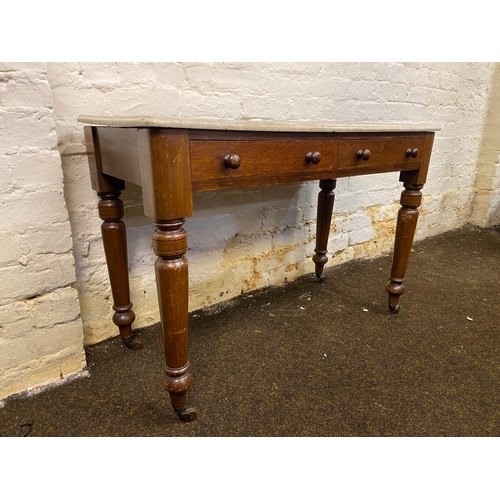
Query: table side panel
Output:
(119,153)
(99,181)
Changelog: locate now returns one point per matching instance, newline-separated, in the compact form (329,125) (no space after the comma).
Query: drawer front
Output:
(257,162)
(380,155)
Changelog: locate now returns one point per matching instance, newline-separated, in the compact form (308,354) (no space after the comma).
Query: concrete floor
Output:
(310,359)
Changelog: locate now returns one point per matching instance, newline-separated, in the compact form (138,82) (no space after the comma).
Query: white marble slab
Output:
(253,125)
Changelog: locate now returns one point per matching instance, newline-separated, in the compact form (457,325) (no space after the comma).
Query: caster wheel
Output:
(133,343)
(186,414)
(394,309)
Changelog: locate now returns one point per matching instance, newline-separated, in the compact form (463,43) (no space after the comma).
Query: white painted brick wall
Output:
(458,101)
(487,197)
(240,240)
(40,326)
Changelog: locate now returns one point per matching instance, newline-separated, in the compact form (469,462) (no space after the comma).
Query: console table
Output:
(171,157)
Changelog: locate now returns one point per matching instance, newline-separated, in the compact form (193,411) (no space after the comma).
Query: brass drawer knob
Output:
(232,161)
(313,157)
(365,155)
(412,152)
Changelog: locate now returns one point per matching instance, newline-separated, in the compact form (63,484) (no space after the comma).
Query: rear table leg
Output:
(326,198)
(115,247)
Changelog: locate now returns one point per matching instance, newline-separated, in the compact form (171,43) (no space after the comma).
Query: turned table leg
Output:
(326,198)
(405,230)
(115,248)
(170,245)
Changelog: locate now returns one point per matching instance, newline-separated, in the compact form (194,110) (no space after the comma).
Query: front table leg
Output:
(114,239)
(170,245)
(405,230)
(326,198)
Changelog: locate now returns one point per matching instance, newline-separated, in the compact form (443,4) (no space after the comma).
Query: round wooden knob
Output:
(232,161)
(313,157)
(365,155)
(412,152)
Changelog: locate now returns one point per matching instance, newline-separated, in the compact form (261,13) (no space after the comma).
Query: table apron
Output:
(267,160)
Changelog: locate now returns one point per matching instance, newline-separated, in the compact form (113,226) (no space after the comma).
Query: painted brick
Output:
(41,334)
(31,171)
(11,248)
(38,312)
(439,93)
(362,235)
(392,92)
(32,209)
(35,276)
(24,90)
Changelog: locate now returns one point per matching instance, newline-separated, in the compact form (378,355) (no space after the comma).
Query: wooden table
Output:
(170,158)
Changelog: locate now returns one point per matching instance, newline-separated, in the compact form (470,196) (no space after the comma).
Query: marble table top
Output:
(253,125)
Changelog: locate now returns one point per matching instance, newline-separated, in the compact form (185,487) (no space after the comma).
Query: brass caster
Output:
(186,414)
(132,343)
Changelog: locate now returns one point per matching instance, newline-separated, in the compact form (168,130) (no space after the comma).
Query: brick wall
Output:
(458,101)
(242,240)
(486,211)
(40,326)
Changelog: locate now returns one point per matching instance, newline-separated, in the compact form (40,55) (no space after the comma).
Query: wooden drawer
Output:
(380,155)
(261,162)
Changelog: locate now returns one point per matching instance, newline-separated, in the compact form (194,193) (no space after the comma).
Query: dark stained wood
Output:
(114,239)
(171,163)
(365,155)
(113,236)
(170,245)
(419,176)
(165,173)
(412,152)
(260,162)
(99,181)
(313,157)
(326,197)
(250,135)
(232,161)
(119,153)
(405,230)
(167,199)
